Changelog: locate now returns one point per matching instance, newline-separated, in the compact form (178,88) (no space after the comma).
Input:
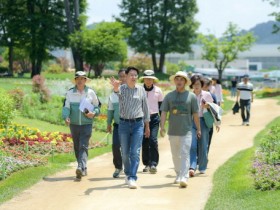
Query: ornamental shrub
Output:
(38,86)
(266,165)
(17,95)
(7,109)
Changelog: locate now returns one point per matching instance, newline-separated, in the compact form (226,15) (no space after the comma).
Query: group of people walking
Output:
(137,113)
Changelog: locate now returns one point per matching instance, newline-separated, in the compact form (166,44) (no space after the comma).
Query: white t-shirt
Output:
(245,90)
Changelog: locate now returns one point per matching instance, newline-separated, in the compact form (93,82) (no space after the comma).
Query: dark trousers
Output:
(245,106)
(81,135)
(150,155)
(116,148)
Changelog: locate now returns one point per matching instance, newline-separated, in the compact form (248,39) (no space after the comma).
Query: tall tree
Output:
(9,22)
(160,26)
(36,26)
(102,44)
(224,50)
(73,11)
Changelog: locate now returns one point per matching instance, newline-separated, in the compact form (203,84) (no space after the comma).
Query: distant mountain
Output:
(263,33)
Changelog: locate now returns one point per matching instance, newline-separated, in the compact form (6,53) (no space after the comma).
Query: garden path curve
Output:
(100,191)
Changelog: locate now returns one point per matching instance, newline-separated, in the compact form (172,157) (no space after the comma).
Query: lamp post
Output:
(10,45)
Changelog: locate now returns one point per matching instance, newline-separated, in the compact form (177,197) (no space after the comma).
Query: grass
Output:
(233,183)
(24,179)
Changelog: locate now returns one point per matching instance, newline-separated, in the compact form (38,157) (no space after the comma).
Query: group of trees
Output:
(31,29)
(153,27)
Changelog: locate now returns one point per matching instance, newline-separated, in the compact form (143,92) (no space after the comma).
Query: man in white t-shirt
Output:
(245,96)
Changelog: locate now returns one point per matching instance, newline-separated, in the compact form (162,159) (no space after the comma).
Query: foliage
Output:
(275,3)
(49,112)
(140,61)
(38,86)
(6,107)
(171,68)
(43,28)
(54,69)
(224,50)
(268,92)
(266,166)
(159,27)
(17,95)
(102,44)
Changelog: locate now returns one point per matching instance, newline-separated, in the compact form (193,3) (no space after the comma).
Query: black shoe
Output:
(79,173)
(117,172)
(153,170)
(84,172)
(146,169)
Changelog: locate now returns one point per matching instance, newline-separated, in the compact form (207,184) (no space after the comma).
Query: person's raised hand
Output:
(115,83)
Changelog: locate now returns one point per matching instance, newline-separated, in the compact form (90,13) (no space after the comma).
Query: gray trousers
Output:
(81,135)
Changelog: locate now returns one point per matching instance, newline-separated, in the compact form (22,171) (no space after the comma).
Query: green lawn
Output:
(233,184)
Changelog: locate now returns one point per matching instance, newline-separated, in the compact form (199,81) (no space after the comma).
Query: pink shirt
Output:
(203,95)
(154,96)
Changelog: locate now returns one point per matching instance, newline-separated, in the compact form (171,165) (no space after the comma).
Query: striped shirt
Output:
(133,103)
(245,90)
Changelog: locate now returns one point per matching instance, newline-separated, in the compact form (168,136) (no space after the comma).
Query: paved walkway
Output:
(100,191)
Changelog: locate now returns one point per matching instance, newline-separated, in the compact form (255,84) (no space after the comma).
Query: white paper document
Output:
(85,104)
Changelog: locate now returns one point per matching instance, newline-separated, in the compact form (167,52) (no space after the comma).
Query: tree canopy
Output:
(104,43)
(224,50)
(159,27)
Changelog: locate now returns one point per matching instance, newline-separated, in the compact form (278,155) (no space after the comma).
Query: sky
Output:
(214,15)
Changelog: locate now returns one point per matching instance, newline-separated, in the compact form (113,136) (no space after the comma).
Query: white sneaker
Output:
(126,180)
(247,123)
(132,184)
(177,180)
(183,182)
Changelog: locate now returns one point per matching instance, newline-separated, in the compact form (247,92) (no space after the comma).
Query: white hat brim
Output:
(149,77)
(171,78)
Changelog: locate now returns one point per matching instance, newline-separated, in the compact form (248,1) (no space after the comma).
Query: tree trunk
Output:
(98,68)
(161,62)
(78,60)
(154,59)
(11,59)
(220,72)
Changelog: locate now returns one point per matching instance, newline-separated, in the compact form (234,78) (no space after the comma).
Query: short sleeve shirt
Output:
(181,107)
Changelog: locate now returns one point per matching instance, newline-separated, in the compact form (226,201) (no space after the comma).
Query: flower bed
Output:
(266,165)
(22,147)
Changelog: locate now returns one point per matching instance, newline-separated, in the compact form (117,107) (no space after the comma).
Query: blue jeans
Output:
(131,136)
(81,135)
(233,91)
(116,148)
(150,154)
(199,147)
(245,105)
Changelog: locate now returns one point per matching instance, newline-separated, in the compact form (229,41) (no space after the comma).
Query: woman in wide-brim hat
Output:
(150,153)
(148,74)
